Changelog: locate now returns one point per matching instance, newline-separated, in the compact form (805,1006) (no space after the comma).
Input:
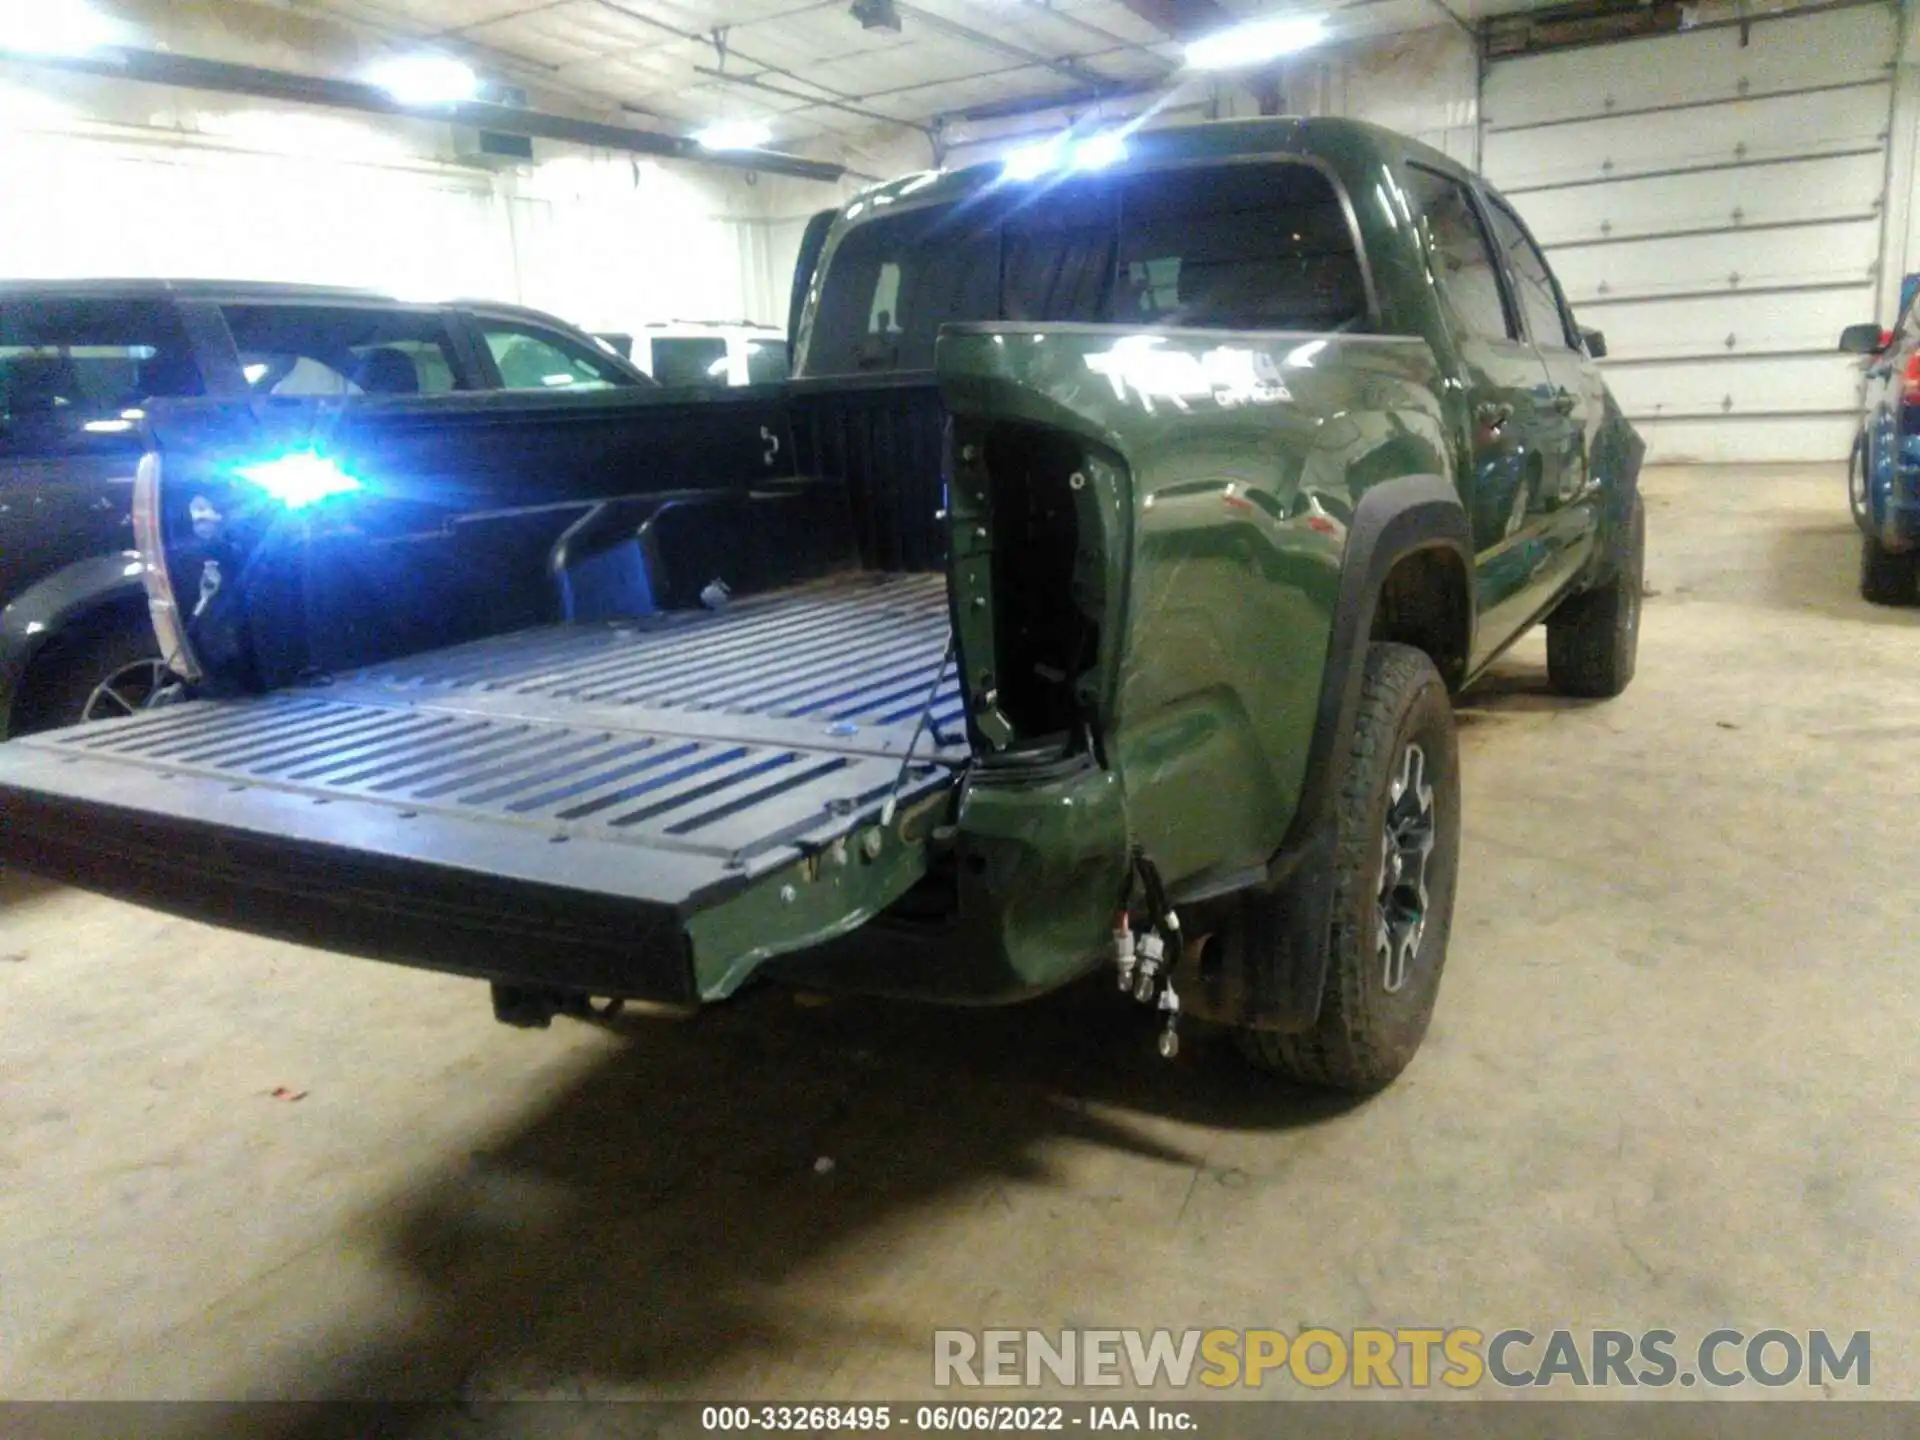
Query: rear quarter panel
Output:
(1240,458)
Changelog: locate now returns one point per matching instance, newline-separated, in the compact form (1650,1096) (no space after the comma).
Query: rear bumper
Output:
(378,906)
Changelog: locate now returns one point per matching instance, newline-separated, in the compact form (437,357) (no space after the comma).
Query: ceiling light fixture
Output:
(1030,162)
(1257,43)
(1100,151)
(1063,153)
(876,15)
(734,135)
(62,27)
(425,79)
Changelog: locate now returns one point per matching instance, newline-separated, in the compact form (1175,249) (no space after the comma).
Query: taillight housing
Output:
(1037,528)
(149,537)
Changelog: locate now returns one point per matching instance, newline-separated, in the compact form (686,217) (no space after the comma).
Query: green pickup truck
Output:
(1090,598)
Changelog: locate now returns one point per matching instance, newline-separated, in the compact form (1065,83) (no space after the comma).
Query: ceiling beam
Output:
(810,102)
(837,99)
(1183,19)
(1106,37)
(156,67)
(954,30)
(1067,100)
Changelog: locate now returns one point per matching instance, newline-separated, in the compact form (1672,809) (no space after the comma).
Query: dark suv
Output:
(79,359)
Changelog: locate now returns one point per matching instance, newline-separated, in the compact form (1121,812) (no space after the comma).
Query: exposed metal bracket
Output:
(1454,15)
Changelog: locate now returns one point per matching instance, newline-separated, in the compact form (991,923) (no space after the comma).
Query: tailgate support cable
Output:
(926,712)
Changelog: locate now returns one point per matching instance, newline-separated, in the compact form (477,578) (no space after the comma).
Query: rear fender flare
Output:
(1270,976)
(1617,457)
(1393,520)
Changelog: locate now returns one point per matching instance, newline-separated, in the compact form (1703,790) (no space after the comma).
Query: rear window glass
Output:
(67,365)
(891,284)
(304,350)
(766,361)
(690,360)
(1257,246)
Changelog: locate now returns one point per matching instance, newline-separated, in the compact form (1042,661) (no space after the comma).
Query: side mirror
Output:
(1864,340)
(1596,344)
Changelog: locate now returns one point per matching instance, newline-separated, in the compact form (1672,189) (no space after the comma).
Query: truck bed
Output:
(662,764)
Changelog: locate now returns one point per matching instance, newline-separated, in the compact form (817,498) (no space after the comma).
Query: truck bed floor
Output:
(730,737)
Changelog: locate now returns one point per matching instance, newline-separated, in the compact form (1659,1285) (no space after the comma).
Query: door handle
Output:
(1563,402)
(1492,415)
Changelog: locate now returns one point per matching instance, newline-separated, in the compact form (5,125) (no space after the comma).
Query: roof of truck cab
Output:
(1278,136)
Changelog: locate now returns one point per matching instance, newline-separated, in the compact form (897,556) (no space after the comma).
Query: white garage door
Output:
(1711,200)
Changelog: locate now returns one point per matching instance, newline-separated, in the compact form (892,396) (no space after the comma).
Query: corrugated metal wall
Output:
(1713,201)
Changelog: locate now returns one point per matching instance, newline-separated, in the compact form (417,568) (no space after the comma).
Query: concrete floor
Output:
(1670,1084)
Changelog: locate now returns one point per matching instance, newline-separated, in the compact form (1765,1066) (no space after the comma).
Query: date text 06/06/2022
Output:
(946,1419)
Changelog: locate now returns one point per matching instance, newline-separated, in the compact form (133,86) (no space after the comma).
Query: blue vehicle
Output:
(1883,474)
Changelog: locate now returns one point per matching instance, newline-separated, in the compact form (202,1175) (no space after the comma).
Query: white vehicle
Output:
(692,352)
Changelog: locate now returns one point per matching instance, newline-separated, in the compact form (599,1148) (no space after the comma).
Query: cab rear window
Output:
(1265,245)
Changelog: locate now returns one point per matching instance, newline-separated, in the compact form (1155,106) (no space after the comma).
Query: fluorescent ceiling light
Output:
(1100,152)
(425,79)
(734,135)
(57,27)
(1257,43)
(1062,152)
(1030,162)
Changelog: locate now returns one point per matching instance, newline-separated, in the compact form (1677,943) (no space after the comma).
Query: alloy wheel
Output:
(1406,849)
(127,691)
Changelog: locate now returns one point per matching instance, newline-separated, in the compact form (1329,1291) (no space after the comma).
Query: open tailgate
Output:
(635,808)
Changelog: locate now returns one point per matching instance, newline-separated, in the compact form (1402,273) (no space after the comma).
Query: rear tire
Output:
(1887,576)
(1395,859)
(1593,638)
(104,673)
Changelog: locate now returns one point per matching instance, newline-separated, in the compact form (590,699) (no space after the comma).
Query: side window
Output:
(431,362)
(294,350)
(1463,260)
(532,359)
(69,368)
(766,361)
(1530,276)
(690,360)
